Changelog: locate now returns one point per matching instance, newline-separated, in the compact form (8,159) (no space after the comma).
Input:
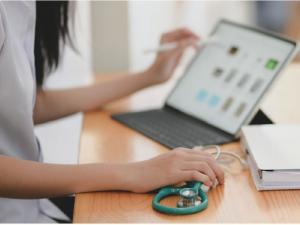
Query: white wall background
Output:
(149,19)
(109,20)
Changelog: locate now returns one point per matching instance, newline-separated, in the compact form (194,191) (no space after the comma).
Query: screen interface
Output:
(227,78)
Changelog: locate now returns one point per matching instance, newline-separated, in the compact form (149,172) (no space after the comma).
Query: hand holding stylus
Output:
(174,45)
(166,61)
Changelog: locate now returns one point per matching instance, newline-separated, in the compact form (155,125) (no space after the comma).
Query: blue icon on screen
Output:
(202,95)
(213,101)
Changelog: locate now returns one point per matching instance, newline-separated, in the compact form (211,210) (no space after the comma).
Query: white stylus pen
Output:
(170,46)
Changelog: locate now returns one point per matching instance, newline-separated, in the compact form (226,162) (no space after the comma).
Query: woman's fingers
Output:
(201,166)
(178,35)
(210,159)
(187,42)
(196,176)
(188,160)
(216,168)
(181,47)
(193,156)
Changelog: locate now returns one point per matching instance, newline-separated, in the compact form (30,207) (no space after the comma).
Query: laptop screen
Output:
(225,81)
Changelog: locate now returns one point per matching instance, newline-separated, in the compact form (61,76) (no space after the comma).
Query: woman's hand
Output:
(165,63)
(176,166)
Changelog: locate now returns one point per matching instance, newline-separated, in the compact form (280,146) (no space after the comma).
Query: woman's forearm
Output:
(51,105)
(28,179)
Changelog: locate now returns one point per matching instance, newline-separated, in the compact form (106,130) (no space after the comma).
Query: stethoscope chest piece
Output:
(188,198)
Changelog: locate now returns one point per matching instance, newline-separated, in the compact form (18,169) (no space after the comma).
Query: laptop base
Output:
(174,129)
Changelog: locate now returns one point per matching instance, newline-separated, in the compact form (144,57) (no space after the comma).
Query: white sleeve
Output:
(2,31)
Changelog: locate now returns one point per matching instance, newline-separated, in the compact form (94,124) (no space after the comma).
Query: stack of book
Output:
(273,155)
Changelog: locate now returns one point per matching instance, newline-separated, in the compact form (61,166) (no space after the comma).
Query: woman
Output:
(31,37)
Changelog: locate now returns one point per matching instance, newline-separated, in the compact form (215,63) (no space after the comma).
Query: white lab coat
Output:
(17,97)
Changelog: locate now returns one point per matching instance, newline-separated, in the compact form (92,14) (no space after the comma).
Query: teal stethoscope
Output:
(193,197)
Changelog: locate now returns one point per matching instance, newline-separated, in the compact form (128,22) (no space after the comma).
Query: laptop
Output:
(219,91)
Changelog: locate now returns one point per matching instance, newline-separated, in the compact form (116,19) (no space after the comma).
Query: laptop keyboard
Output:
(173,129)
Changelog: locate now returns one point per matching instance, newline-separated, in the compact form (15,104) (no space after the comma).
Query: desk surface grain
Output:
(105,140)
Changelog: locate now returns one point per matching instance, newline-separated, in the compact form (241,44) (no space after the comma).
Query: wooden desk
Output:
(104,140)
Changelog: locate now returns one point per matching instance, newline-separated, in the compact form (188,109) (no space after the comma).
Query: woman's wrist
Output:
(149,78)
(128,176)
(106,176)
(124,176)
(137,177)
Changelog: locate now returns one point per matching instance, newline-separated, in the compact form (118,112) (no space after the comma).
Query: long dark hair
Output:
(51,34)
